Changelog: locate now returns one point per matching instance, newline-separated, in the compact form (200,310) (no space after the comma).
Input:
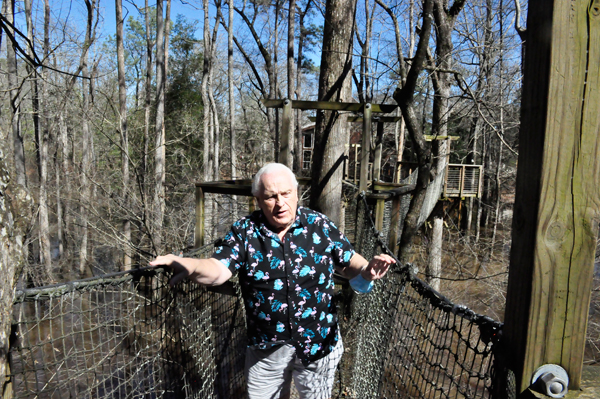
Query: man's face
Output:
(278,199)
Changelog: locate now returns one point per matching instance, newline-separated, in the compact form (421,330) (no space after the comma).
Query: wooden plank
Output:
(430,137)
(557,204)
(330,106)
(199,229)
(379,213)
(285,152)
(359,119)
(365,150)
(378,153)
(394,225)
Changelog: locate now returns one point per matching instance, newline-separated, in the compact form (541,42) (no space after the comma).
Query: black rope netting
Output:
(130,335)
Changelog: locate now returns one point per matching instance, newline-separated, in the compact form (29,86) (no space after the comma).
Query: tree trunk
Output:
(15,215)
(291,81)
(444,20)
(123,133)
(433,271)
(298,89)
(159,134)
(14,93)
(405,97)
(331,130)
(87,143)
(144,169)
(232,133)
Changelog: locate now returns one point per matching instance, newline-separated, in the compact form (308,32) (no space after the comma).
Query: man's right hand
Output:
(202,271)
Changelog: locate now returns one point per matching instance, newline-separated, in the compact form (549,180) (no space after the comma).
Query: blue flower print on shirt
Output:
(347,256)
(259,275)
(318,258)
(306,314)
(300,251)
(262,315)
(322,279)
(316,239)
(314,349)
(280,327)
(322,316)
(275,262)
(275,306)
(304,271)
(329,318)
(304,294)
(278,284)
(274,243)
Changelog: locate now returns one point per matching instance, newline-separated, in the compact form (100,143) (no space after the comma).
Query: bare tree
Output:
(18,150)
(87,138)
(159,133)
(444,17)
(15,215)
(122,127)
(231,91)
(331,130)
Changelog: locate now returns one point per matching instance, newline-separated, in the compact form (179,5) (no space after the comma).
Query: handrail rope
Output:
(105,279)
(438,300)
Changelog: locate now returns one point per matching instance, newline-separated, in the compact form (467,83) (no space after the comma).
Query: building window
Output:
(306,157)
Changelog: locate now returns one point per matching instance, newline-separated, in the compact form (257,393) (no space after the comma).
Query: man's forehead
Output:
(278,181)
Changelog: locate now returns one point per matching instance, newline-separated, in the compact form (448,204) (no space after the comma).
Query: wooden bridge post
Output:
(557,205)
(378,153)
(199,230)
(365,149)
(285,152)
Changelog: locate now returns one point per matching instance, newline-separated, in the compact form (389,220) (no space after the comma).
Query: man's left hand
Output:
(377,267)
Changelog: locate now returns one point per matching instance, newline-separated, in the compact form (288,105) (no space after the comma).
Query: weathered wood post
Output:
(557,205)
(199,231)
(378,152)
(285,152)
(365,148)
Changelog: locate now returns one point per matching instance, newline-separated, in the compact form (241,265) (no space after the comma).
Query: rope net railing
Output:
(131,335)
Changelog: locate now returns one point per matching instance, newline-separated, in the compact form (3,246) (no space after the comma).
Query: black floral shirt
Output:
(287,285)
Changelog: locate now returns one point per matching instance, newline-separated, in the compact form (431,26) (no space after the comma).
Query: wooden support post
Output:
(557,202)
(394,222)
(379,210)
(199,231)
(285,152)
(365,149)
(378,153)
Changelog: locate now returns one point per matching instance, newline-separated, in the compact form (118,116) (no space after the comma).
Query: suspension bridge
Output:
(130,335)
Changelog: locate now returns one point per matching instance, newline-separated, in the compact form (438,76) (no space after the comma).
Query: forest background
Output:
(110,150)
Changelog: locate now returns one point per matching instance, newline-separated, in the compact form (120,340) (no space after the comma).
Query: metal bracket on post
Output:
(551,380)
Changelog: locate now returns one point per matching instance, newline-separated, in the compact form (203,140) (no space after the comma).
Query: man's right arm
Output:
(202,271)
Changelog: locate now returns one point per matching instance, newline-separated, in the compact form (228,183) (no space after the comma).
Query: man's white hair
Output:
(270,168)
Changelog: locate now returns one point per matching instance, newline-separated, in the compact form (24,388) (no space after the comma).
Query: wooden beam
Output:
(430,137)
(378,153)
(285,152)
(557,203)
(365,149)
(330,106)
(359,119)
(199,229)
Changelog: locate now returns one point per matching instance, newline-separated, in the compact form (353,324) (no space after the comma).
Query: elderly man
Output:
(285,257)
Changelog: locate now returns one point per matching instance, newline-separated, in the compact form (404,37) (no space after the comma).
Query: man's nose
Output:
(279,199)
